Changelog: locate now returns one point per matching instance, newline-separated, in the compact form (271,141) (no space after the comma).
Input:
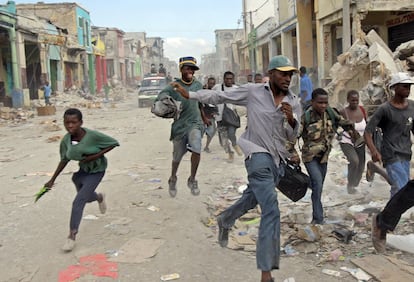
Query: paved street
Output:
(140,210)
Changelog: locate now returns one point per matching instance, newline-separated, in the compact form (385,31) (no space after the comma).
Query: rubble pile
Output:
(345,236)
(367,67)
(15,115)
(72,97)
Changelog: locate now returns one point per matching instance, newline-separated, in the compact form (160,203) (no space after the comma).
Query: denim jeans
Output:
(396,206)
(399,173)
(356,159)
(263,176)
(86,184)
(189,142)
(317,173)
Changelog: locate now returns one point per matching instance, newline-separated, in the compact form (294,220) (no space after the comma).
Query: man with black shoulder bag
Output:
(274,118)
(227,119)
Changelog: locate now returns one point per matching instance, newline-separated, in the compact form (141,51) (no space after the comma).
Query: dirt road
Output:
(140,211)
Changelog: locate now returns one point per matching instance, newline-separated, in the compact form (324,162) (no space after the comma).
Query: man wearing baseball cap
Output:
(186,131)
(274,118)
(395,118)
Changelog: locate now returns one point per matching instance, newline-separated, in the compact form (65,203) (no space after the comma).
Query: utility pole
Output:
(253,44)
(346,26)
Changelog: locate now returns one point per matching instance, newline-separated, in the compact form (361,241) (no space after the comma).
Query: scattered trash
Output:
(310,233)
(343,235)
(154,180)
(111,253)
(335,255)
(153,208)
(290,251)
(361,219)
(90,217)
(168,277)
(401,242)
(358,273)
(331,272)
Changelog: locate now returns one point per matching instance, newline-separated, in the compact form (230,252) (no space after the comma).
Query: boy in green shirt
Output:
(88,147)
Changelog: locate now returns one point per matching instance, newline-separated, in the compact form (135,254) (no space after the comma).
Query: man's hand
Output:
(287,110)
(180,89)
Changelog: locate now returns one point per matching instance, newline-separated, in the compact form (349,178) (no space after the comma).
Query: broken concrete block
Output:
(373,37)
(380,55)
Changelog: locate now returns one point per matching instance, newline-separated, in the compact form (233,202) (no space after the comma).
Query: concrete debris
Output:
(367,65)
(345,235)
(70,98)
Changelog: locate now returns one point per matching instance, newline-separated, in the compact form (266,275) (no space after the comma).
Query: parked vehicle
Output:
(149,88)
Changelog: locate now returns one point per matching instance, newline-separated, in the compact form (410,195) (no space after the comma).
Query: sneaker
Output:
(193,185)
(207,150)
(223,234)
(69,245)
(172,187)
(378,236)
(370,173)
(102,204)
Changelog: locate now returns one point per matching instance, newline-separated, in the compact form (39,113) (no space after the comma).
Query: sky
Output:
(187,27)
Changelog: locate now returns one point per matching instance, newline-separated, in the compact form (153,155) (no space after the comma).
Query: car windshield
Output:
(153,83)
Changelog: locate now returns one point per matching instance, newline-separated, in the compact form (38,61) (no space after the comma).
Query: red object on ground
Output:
(96,265)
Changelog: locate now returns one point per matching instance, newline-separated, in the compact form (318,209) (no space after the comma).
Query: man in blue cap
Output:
(274,118)
(186,131)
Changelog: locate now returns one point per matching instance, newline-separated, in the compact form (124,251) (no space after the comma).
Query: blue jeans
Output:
(263,176)
(86,184)
(399,173)
(317,173)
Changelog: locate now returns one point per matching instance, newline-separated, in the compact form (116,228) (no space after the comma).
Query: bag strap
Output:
(364,113)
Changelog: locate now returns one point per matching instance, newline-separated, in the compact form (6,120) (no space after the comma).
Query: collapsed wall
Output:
(366,67)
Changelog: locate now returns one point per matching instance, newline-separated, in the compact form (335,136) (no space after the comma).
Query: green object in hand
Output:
(41,192)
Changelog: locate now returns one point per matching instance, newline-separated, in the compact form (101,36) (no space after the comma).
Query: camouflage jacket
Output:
(317,134)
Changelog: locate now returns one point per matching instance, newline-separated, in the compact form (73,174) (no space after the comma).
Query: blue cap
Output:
(188,61)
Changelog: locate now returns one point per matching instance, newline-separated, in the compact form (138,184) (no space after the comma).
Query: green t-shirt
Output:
(190,116)
(93,142)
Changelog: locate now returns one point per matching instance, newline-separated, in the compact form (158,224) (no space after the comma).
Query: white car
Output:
(149,89)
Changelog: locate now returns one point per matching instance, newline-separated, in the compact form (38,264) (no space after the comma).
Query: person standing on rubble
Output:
(273,121)
(187,130)
(355,154)
(47,91)
(88,147)
(395,118)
